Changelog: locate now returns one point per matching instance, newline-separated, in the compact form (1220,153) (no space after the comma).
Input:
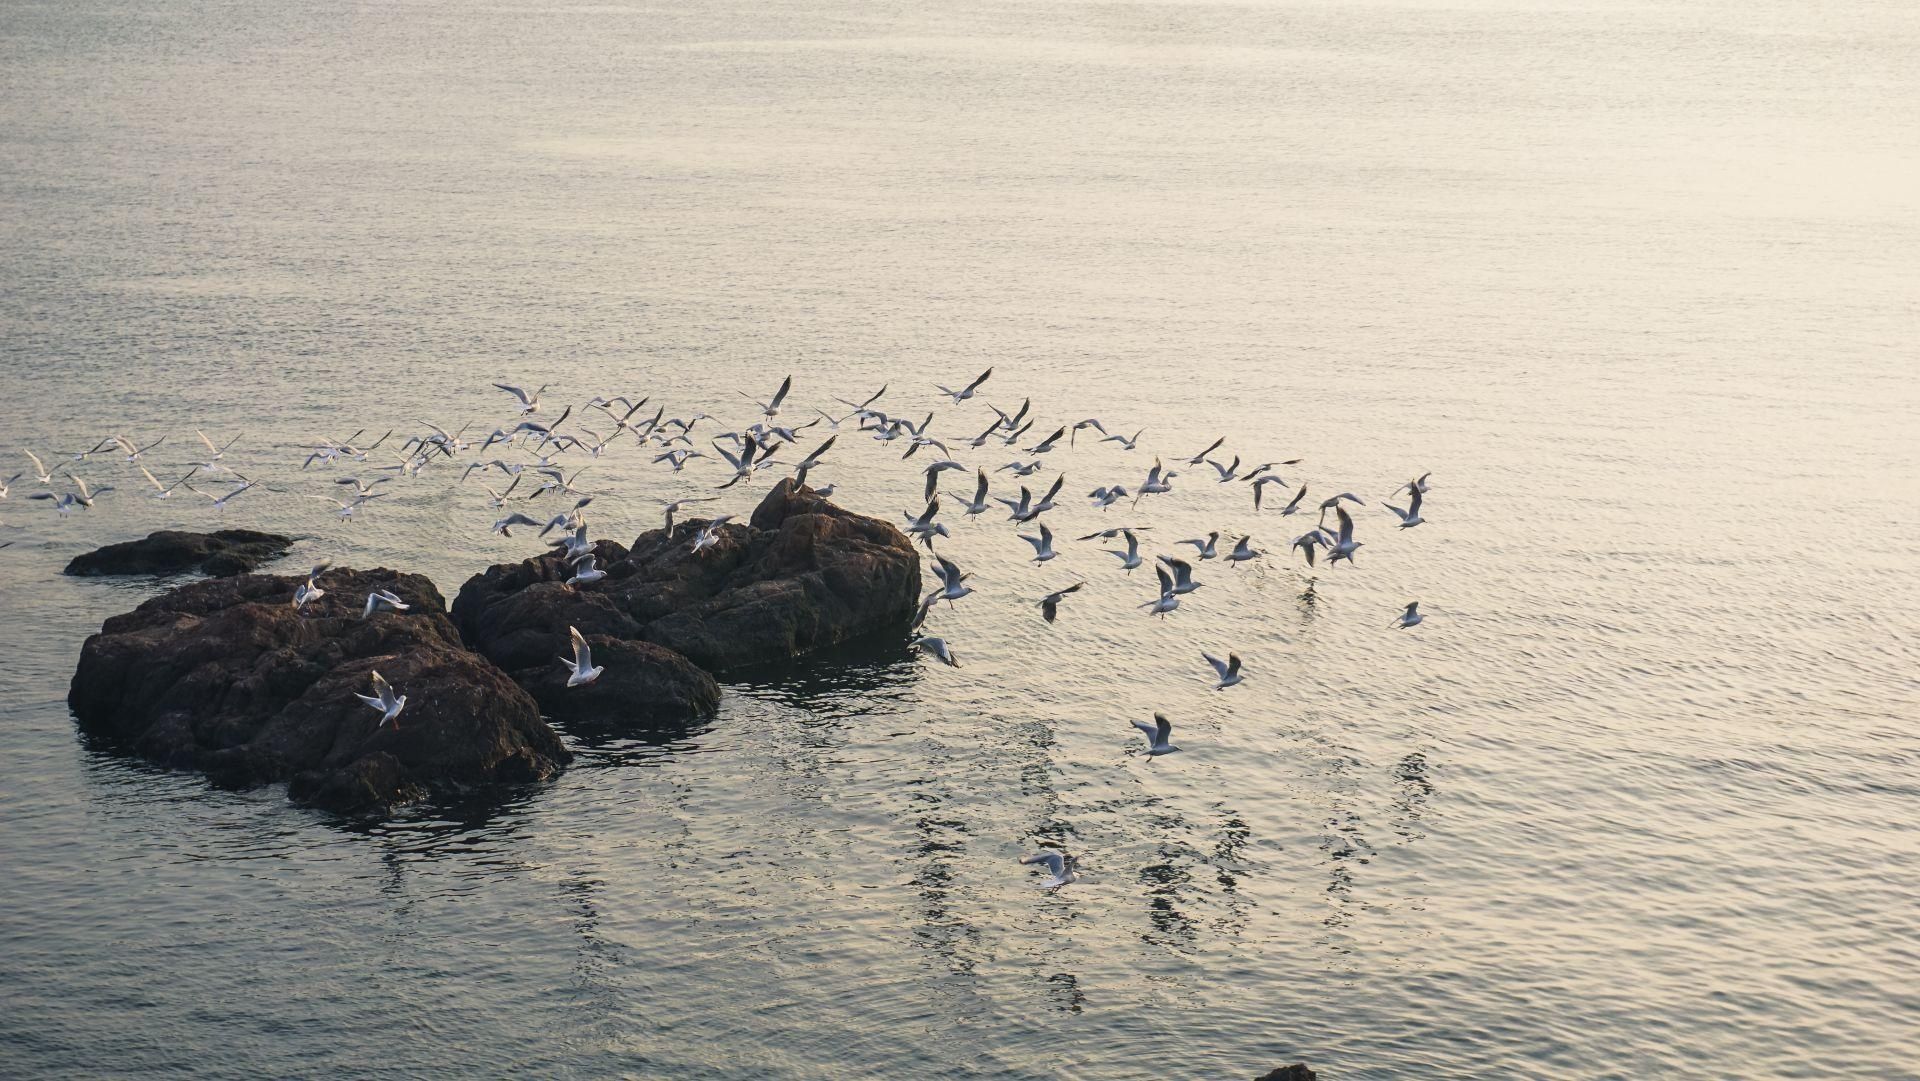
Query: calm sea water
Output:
(1637,282)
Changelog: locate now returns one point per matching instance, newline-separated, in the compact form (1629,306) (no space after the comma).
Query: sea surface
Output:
(1638,282)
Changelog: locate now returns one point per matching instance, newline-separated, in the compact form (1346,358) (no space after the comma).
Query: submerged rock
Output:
(226,677)
(1296,1072)
(170,551)
(801,576)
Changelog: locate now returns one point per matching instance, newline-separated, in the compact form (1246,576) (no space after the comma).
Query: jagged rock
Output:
(226,677)
(170,551)
(802,575)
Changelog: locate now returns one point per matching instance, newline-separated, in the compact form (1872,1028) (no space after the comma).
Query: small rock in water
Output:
(169,551)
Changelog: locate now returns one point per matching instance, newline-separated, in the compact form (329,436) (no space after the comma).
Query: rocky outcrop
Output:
(226,677)
(643,685)
(801,576)
(169,551)
(1296,1072)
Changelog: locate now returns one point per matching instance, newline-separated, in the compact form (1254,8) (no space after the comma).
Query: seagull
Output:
(1183,582)
(1410,617)
(1227,472)
(583,670)
(367,488)
(1418,484)
(953,584)
(1309,540)
(674,508)
(813,459)
(64,502)
(215,453)
(1063,869)
(1090,422)
(933,474)
(1126,442)
(1046,444)
(1046,501)
(1295,504)
(936,648)
(978,505)
(744,463)
(965,392)
(7,485)
(1021,469)
(529,403)
(1211,447)
(1157,735)
(678,458)
(309,590)
(1330,503)
(1411,516)
(220,501)
(384,700)
(922,525)
(1159,479)
(1042,544)
(772,408)
(161,491)
(383,598)
(1242,551)
(346,509)
(1050,604)
(497,500)
(133,452)
(1208,548)
(1228,670)
(1343,545)
(40,474)
(1130,558)
(709,534)
(1167,601)
(1260,484)
(1105,497)
(504,526)
(585,570)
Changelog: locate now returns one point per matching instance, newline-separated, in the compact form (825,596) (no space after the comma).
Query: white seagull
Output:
(1411,516)
(384,700)
(1228,670)
(583,670)
(965,392)
(383,598)
(1063,869)
(1042,544)
(1157,735)
(1410,617)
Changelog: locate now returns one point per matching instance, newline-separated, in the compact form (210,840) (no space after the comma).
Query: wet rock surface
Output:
(803,575)
(224,676)
(169,551)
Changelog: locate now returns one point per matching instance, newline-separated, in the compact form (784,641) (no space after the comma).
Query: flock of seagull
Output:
(537,458)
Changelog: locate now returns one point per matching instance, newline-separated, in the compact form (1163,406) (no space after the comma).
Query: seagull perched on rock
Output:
(1157,735)
(383,598)
(309,591)
(580,668)
(1410,617)
(384,700)
(1227,671)
(1061,869)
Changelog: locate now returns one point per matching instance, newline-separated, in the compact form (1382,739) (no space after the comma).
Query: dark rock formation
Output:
(643,684)
(226,677)
(222,552)
(1296,1072)
(803,575)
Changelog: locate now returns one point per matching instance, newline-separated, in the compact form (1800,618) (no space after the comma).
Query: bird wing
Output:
(781,394)
(983,378)
(1219,666)
(1166,583)
(582,653)
(516,392)
(1162,728)
(1052,861)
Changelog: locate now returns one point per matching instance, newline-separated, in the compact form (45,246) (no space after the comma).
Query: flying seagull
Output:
(581,669)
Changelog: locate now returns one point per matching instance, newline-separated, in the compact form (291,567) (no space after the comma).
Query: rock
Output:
(225,677)
(643,684)
(169,551)
(1296,1072)
(802,576)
